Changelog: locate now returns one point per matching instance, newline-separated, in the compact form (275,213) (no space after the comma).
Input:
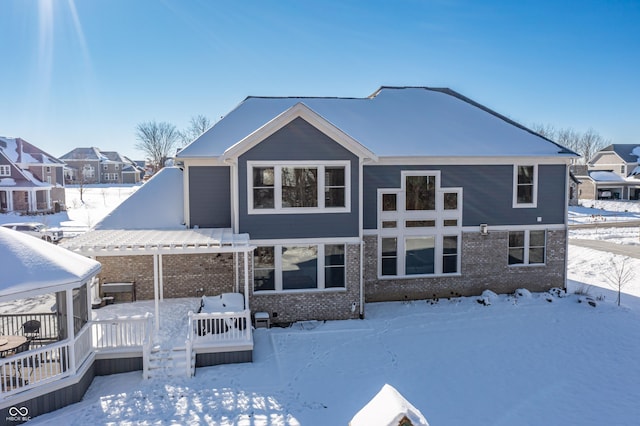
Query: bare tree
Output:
(586,144)
(197,126)
(620,273)
(158,141)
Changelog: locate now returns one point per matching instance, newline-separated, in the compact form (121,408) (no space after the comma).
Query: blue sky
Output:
(86,72)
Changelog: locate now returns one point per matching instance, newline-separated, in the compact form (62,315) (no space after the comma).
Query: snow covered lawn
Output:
(519,361)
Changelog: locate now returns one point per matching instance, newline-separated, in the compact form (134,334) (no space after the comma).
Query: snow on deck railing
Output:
(121,333)
(33,368)
(211,329)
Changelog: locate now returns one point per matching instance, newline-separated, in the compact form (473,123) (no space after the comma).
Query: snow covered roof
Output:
(158,204)
(395,121)
(39,267)
(19,179)
(387,408)
(20,151)
(91,153)
(605,176)
(628,152)
(148,241)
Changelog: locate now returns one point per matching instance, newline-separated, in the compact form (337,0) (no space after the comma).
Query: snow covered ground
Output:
(98,201)
(527,359)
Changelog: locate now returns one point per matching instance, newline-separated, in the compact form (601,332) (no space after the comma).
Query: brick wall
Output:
(483,266)
(184,275)
(314,305)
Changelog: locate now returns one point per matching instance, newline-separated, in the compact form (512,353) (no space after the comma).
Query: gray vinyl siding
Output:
(298,141)
(487,194)
(210,196)
(235,357)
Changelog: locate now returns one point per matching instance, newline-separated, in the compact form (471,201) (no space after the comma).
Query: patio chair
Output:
(31,329)
(31,362)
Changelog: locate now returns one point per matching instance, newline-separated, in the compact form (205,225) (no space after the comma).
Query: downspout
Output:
(361,232)
(566,225)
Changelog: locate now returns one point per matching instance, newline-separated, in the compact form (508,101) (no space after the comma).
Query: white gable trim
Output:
(299,110)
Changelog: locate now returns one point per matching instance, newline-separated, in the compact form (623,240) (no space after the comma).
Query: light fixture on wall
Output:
(484,229)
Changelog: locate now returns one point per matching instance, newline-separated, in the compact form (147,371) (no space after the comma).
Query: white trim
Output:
(185,198)
(289,241)
(277,186)
(502,228)
(470,161)
(527,248)
(299,110)
(534,196)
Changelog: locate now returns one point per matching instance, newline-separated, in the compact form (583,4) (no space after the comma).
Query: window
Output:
(389,202)
(299,188)
(419,227)
(264,269)
(525,186)
(420,192)
(334,266)
(88,172)
(299,267)
(5,170)
(419,255)
(527,247)
(263,195)
(105,167)
(389,256)
(334,187)
(450,254)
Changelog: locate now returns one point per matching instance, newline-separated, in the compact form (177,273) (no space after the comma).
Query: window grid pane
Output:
(389,256)
(419,255)
(525,184)
(299,187)
(334,261)
(420,193)
(299,267)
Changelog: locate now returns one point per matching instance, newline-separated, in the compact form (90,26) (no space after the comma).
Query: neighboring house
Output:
(31,180)
(611,174)
(91,165)
(411,193)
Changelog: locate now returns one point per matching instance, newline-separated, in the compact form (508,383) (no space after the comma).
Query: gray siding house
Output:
(410,193)
(611,174)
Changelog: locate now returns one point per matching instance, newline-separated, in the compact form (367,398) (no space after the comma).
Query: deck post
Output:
(155,291)
(246,279)
(71,332)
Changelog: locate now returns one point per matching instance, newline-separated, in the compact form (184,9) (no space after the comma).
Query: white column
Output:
(246,280)
(161,276)
(10,200)
(33,200)
(71,332)
(156,290)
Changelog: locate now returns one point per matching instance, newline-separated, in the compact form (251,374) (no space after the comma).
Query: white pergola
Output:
(159,242)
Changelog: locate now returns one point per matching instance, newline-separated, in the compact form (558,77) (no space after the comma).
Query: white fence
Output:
(220,328)
(121,333)
(30,369)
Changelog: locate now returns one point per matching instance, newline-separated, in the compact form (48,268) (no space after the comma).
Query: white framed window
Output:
(527,247)
(5,170)
(419,227)
(299,267)
(525,186)
(88,171)
(298,187)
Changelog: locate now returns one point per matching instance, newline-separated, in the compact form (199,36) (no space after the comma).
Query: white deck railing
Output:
(33,368)
(121,333)
(220,328)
